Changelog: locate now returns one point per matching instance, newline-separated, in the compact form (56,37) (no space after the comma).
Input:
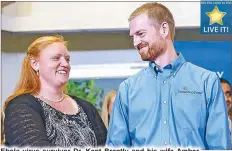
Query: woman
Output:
(2,129)
(39,113)
(107,107)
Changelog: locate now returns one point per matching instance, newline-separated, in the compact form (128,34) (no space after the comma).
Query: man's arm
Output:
(217,129)
(118,132)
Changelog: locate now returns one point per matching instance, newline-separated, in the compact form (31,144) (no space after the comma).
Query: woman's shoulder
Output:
(82,102)
(24,99)
(87,106)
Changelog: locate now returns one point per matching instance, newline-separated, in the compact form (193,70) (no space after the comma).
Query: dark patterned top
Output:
(68,130)
(29,122)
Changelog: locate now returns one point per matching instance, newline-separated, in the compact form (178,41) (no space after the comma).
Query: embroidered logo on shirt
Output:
(186,91)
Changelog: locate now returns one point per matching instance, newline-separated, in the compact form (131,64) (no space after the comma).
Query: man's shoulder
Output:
(135,77)
(199,71)
(197,68)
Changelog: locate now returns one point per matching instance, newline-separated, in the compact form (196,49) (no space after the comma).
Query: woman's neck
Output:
(51,92)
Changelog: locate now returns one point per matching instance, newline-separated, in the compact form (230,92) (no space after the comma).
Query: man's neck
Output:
(167,57)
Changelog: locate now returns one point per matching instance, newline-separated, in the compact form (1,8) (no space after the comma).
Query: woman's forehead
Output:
(55,48)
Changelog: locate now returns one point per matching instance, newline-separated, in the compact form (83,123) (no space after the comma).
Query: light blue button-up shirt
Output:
(181,105)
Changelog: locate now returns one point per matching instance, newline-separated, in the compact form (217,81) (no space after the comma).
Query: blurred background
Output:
(102,54)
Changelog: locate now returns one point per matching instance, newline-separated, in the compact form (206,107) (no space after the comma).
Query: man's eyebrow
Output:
(137,32)
(140,30)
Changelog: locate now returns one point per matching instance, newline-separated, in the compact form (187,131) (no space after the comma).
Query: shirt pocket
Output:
(187,110)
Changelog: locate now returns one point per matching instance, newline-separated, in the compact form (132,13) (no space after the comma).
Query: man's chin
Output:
(144,57)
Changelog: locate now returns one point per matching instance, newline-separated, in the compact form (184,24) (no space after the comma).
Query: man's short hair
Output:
(224,81)
(158,14)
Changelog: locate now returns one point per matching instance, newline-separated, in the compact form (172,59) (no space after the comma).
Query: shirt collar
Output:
(174,65)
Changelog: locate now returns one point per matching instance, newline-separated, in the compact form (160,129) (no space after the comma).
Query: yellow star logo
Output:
(216,16)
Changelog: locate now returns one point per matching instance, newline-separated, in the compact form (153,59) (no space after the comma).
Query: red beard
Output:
(154,50)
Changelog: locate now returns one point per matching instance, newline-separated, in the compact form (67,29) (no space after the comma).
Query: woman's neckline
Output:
(37,98)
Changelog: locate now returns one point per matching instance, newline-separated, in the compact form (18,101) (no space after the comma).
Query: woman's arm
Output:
(24,125)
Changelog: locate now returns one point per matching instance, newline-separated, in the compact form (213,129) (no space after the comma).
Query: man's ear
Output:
(164,29)
(34,64)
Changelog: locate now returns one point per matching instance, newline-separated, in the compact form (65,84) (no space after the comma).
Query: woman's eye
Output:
(55,58)
(68,59)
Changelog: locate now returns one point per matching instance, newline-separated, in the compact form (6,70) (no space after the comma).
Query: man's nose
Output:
(228,103)
(136,42)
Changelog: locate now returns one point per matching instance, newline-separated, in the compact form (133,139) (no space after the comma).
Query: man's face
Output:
(146,38)
(227,93)
(230,116)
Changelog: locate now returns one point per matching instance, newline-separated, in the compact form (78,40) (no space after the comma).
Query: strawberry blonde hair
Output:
(105,107)
(29,81)
(158,14)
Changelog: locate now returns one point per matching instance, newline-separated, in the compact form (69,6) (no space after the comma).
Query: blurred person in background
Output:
(227,91)
(107,107)
(39,113)
(230,112)
(226,87)
(230,122)
(172,102)
(2,129)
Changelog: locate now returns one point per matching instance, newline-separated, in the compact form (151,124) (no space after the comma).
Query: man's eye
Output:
(228,94)
(141,34)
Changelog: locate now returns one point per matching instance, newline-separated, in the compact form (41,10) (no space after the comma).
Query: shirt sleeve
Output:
(217,129)
(118,132)
(24,126)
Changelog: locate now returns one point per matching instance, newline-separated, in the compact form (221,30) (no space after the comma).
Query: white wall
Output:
(11,67)
(43,16)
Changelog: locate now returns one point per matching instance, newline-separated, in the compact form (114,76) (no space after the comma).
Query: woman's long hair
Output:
(29,80)
(105,107)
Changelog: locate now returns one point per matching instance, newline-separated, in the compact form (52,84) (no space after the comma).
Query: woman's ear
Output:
(34,64)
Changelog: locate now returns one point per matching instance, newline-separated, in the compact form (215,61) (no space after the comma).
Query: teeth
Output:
(62,72)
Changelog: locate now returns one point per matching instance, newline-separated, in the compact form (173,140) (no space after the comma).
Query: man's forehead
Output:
(140,22)
(226,86)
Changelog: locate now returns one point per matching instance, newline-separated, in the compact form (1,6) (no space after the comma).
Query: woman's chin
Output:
(62,83)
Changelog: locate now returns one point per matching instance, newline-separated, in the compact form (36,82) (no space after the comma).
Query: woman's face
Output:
(54,66)
(111,104)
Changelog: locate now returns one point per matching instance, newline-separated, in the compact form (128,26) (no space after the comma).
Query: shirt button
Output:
(165,143)
(165,102)
(165,81)
(174,74)
(165,122)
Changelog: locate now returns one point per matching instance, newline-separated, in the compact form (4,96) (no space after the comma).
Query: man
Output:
(226,87)
(230,116)
(171,102)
